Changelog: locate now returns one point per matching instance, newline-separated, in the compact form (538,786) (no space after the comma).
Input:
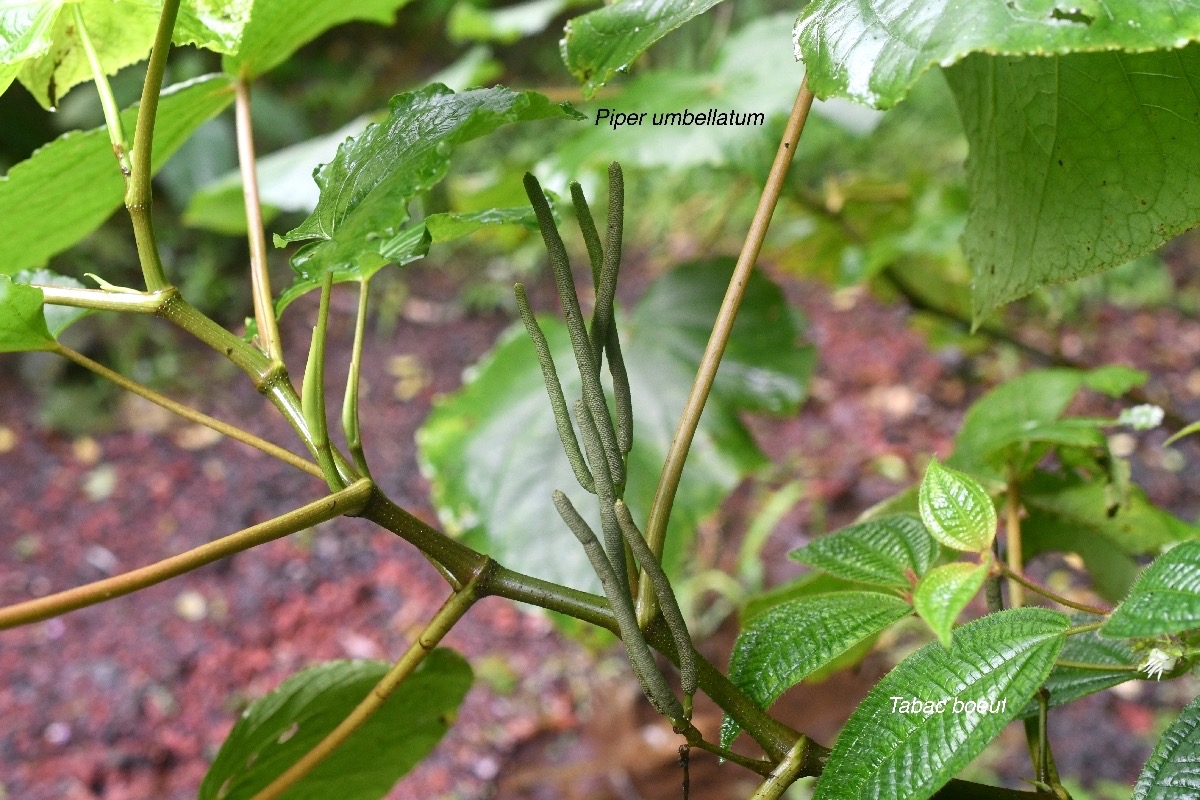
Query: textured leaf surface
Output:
(366,189)
(1173,771)
(275,731)
(279,28)
(1066,684)
(1077,164)
(888,551)
(604,42)
(22,324)
(956,510)
(786,644)
(1164,599)
(68,188)
(874,50)
(942,594)
(909,756)
(493,455)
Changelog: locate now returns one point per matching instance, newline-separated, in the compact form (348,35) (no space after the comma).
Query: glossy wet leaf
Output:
(492,452)
(945,591)
(1066,684)
(278,28)
(366,189)
(956,510)
(58,318)
(883,752)
(1078,164)
(276,730)
(66,189)
(1173,771)
(891,551)
(601,43)
(873,51)
(1164,599)
(22,324)
(787,643)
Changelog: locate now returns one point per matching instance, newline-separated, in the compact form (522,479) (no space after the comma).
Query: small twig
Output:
(668,482)
(350,500)
(1012,538)
(264,310)
(784,775)
(190,414)
(1008,572)
(451,612)
(108,103)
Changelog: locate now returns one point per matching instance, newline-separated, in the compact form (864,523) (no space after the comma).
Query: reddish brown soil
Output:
(132,698)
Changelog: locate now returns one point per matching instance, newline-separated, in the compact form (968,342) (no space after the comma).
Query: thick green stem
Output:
(668,482)
(784,775)
(458,563)
(349,501)
(108,103)
(101,300)
(451,612)
(188,413)
(137,191)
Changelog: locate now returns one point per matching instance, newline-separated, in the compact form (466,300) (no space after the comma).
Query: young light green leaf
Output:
(1066,684)
(275,731)
(943,593)
(366,189)
(603,42)
(1164,599)
(22,323)
(279,28)
(786,644)
(1109,168)
(1172,773)
(495,486)
(892,551)
(956,509)
(873,51)
(69,187)
(888,749)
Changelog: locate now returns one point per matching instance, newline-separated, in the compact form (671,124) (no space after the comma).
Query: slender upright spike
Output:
(350,424)
(593,392)
(587,226)
(623,400)
(654,685)
(312,393)
(666,602)
(558,403)
(614,542)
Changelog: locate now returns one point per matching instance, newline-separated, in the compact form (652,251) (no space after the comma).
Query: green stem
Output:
(350,424)
(188,413)
(668,482)
(1075,630)
(349,501)
(784,775)
(264,310)
(101,300)
(112,114)
(137,191)
(451,612)
(1008,572)
(1012,537)
(1097,667)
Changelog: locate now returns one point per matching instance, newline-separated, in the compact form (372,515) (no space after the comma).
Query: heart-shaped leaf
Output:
(892,551)
(956,509)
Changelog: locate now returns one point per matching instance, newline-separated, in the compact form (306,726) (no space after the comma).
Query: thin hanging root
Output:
(593,393)
(587,226)
(653,684)
(613,540)
(666,602)
(562,419)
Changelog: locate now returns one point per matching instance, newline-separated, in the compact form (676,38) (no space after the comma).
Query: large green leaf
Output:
(493,454)
(786,644)
(887,750)
(1173,771)
(22,323)
(366,189)
(1077,164)
(892,551)
(278,28)
(874,50)
(275,731)
(604,42)
(943,594)
(1164,599)
(956,510)
(68,188)
(1066,684)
